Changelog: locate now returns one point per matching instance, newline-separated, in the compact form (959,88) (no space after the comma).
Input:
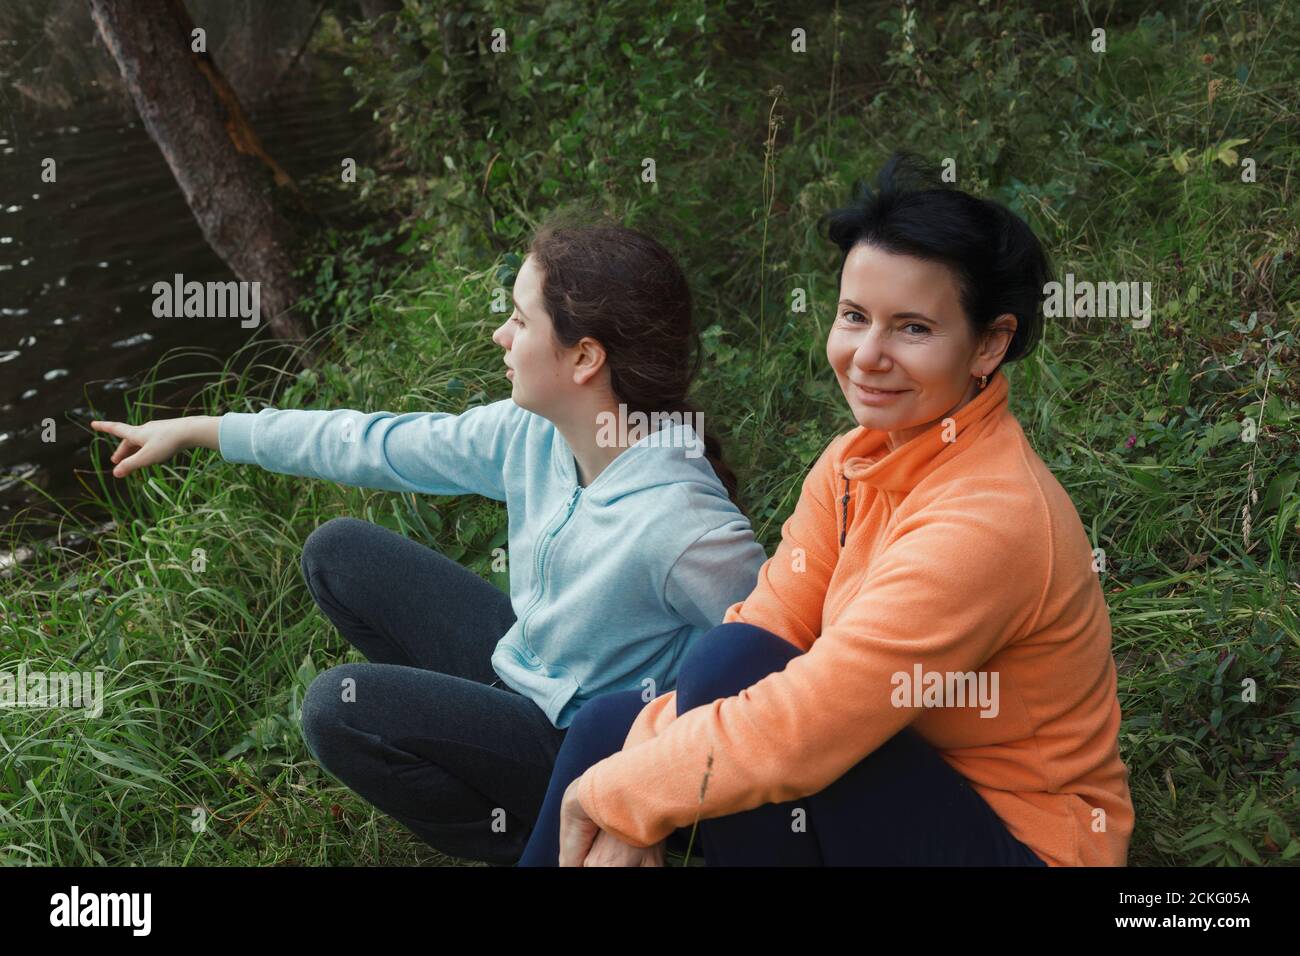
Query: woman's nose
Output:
(871,353)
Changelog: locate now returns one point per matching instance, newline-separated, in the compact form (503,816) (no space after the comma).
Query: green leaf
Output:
(1212,856)
(1180,387)
(1227,154)
(306,671)
(124,764)
(1242,846)
(1216,836)
(1281,487)
(1245,807)
(1146,480)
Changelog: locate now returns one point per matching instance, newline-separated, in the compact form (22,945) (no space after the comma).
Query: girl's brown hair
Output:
(625,290)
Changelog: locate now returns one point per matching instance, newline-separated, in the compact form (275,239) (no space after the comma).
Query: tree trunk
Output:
(193,115)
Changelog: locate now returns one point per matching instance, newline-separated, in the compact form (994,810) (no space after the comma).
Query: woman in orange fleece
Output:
(923,674)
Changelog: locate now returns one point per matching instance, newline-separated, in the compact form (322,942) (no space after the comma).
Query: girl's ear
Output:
(589,361)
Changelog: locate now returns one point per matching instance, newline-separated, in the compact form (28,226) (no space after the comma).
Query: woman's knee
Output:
(728,659)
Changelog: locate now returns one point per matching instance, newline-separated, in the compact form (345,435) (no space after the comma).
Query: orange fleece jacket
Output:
(956,555)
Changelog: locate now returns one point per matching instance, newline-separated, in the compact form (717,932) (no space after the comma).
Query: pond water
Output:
(79,257)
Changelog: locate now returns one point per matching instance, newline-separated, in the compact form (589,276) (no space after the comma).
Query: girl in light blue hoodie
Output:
(625,542)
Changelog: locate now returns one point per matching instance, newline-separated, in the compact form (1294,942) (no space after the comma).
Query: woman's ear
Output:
(997,339)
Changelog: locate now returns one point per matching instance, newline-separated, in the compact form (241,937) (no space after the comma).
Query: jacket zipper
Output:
(538,563)
(845,529)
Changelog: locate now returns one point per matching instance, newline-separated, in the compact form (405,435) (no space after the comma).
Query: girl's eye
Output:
(858,314)
(925,329)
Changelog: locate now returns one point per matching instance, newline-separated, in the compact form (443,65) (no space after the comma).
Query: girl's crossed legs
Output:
(425,730)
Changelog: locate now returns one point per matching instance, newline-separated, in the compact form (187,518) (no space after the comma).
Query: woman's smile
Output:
(876,396)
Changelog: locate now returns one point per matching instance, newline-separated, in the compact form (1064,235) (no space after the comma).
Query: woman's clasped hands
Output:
(584,843)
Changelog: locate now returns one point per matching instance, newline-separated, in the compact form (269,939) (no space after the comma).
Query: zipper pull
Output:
(573,503)
(844,532)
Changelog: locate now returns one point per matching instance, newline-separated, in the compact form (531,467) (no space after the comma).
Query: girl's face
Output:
(542,379)
(900,328)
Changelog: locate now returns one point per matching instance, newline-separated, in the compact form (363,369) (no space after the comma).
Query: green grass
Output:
(205,669)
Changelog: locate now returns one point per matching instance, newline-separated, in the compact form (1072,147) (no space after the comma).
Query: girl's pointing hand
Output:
(149,443)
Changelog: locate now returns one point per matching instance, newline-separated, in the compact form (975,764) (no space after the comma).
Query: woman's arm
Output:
(956,585)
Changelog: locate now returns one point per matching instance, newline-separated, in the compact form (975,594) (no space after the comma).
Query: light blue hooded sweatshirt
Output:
(610,583)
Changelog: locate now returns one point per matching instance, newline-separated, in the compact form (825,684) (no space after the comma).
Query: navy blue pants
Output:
(902,805)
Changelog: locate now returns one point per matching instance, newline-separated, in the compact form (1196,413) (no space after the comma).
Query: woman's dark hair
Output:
(998,262)
(626,291)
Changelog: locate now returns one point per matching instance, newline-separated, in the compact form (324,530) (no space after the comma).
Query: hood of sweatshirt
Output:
(622,575)
(672,455)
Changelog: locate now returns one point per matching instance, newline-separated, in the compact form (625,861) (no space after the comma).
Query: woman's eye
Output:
(858,314)
(925,329)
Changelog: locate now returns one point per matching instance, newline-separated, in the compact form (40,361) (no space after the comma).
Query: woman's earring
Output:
(984,381)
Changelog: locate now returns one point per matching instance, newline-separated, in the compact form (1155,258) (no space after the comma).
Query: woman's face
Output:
(534,365)
(899,327)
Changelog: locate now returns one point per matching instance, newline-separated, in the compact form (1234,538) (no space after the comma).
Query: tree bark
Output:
(193,115)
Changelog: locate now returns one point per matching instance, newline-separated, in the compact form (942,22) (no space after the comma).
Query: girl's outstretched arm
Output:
(425,452)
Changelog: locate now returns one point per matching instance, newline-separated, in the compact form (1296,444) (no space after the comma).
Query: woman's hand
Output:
(157,441)
(583,843)
(577,830)
(609,850)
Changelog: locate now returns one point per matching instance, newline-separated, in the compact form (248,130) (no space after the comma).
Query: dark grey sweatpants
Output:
(426,731)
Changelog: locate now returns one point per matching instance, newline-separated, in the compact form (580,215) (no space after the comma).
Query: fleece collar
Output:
(867,457)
